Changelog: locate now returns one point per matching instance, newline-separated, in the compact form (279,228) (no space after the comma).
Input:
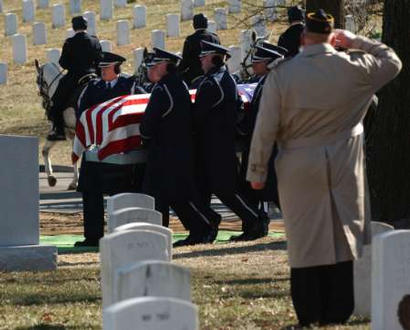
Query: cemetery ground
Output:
(235,285)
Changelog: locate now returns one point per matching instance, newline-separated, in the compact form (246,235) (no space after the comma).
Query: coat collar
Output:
(317,49)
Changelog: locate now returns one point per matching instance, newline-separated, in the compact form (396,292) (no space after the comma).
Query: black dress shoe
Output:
(55,136)
(251,232)
(87,242)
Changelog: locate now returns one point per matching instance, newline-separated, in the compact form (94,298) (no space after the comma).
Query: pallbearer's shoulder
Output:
(280,63)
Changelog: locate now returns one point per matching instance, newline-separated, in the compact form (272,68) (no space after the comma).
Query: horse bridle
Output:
(45,88)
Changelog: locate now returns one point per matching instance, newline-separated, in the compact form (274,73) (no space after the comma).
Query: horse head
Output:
(48,75)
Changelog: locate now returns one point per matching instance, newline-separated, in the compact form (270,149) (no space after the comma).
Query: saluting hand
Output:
(343,38)
(257,185)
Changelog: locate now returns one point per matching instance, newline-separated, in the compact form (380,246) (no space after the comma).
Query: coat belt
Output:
(320,141)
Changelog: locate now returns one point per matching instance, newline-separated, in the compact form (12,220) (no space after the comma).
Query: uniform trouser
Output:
(93,208)
(323,294)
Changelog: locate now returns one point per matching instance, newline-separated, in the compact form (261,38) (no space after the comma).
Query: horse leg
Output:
(52,180)
(73,184)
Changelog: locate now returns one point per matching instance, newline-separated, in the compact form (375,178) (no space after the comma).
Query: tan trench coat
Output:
(313,106)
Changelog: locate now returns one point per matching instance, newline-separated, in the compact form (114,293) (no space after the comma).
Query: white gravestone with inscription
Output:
(158,39)
(69,33)
(390,278)
(259,25)
(350,23)
(19,42)
(245,39)
(124,200)
(123,33)
(3,73)
(199,3)
(140,16)
(39,33)
(58,16)
(234,62)
(220,18)
(19,225)
(234,6)
(270,9)
(106,9)
(91,22)
(362,273)
(10,24)
(149,226)
(211,26)
(124,248)
(75,7)
(1,6)
(187,10)
(29,11)
(41,4)
(133,214)
(152,279)
(138,55)
(151,313)
(53,55)
(106,45)
(172,25)
(121,3)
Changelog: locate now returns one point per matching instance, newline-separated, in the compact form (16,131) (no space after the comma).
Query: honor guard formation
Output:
(300,137)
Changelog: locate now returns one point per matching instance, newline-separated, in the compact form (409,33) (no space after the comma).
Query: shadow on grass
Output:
(280,245)
(30,300)
(43,326)
(251,294)
(248,281)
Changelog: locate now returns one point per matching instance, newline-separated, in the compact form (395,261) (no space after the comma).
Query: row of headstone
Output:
(141,288)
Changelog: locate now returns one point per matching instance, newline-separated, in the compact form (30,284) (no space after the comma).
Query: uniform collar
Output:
(317,49)
(112,82)
(216,69)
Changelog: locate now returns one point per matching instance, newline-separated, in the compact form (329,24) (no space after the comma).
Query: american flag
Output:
(114,125)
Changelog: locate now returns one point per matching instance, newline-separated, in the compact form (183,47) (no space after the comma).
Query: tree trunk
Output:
(389,163)
(333,7)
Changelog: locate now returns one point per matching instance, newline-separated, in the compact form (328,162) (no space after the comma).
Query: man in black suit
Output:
(79,57)
(290,39)
(190,66)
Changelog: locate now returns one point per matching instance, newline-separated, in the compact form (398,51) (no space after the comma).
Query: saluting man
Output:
(215,113)
(262,58)
(79,57)
(313,105)
(97,179)
(167,132)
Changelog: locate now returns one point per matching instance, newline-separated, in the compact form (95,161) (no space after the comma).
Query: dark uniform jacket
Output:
(167,131)
(190,66)
(102,177)
(80,54)
(290,39)
(215,113)
(270,192)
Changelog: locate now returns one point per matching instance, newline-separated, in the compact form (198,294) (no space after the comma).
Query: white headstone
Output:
(140,16)
(53,55)
(235,6)
(187,10)
(172,25)
(19,225)
(124,200)
(69,33)
(212,26)
(138,58)
(29,11)
(91,22)
(1,6)
(390,278)
(125,248)
(106,45)
(152,279)
(259,25)
(234,62)
(19,48)
(39,33)
(133,214)
(58,16)
(149,226)
(350,24)
(151,313)
(220,19)
(123,33)
(199,3)
(10,24)
(42,4)
(3,73)
(158,39)
(75,6)
(362,274)
(245,38)
(121,3)
(270,9)
(106,9)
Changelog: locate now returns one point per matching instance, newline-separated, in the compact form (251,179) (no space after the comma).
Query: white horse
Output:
(48,77)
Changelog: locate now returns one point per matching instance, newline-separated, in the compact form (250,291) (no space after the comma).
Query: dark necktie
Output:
(108,86)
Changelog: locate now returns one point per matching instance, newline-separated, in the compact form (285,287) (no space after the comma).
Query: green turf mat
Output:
(65,243)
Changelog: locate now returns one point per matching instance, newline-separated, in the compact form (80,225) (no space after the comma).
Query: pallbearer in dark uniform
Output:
(215,113)
(79,57)
(190,66)
(290,39)
(262,56)
(167,131)
(97,179)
